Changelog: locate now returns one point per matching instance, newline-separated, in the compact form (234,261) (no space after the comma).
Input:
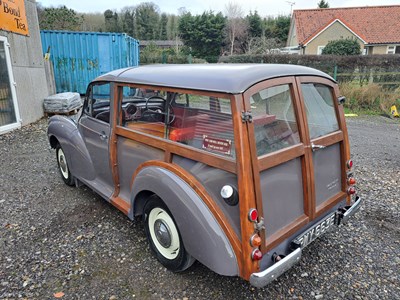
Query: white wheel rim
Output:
(159,214)
(62,162)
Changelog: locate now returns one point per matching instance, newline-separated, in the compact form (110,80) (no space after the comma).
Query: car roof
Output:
(225,78)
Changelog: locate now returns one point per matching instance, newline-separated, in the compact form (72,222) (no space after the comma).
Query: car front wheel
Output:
(164,237)
(63,167)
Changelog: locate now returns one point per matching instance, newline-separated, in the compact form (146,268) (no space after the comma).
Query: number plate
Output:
(317,230)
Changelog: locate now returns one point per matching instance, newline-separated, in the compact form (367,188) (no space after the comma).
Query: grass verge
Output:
(370,99)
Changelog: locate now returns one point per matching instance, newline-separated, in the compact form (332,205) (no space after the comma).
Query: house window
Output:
(395,49)
(320,48)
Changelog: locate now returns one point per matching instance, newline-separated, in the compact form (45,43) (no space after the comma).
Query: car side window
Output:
(98,102)
(200,121)
(144,110)
(203,122)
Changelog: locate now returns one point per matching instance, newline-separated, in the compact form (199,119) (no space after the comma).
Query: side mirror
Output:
(341,100)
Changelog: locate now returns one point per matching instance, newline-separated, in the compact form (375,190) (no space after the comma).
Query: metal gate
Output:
(9,114)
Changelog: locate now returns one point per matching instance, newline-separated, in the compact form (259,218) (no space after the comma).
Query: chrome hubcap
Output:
(63,165)
(162,233)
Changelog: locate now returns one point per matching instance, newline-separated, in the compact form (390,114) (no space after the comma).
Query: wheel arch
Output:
(53,141)
(202,235)
(64,132)
(140,201)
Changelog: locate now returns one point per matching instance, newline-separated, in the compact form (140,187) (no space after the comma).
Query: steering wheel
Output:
(129,112)
(156,112)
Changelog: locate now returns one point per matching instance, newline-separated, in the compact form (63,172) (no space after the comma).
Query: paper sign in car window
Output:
(217,145)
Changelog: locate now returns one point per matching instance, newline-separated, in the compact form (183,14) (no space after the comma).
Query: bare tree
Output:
(236,26)
(93,22)
(261,45)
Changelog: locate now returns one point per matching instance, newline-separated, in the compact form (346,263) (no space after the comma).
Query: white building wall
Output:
(28,67)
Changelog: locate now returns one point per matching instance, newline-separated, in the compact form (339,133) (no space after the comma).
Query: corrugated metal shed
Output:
(79,57)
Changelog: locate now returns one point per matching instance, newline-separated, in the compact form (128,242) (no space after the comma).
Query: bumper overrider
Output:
(265,277)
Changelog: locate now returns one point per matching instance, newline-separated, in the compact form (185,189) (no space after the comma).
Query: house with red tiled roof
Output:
(376,28)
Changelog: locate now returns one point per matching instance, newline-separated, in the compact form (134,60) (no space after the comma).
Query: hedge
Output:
(365,68)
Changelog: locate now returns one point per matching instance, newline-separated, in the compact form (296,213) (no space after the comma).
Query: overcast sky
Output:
(264,7)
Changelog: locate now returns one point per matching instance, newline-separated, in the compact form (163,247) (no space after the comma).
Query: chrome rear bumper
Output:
(263,278)
(348,211)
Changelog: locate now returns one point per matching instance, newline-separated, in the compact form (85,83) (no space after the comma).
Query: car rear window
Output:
(275,124)
(321,116)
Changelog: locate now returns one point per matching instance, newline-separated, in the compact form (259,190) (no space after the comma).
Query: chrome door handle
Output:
(316,147)
(103,136)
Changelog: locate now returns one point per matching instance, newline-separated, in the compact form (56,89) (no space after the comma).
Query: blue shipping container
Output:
(79,57)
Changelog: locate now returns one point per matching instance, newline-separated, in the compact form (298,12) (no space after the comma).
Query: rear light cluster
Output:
(255,240)
(253,215)
(351,190)
(351,181)
(256,254)
(349,164)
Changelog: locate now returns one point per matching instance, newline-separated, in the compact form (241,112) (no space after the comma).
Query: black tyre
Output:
(164,237)
(63,167)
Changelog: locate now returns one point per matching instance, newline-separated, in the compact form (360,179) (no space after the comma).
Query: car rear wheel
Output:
(164,237)
(63,167)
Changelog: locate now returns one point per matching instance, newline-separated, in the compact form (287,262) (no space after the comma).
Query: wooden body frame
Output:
(247,170)
(239,166)
(303,151)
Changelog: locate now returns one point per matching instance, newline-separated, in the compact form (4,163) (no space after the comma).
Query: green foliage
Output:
(369,82)
(59,18)
(255,24)
(147,21)
(378,68)
(153,54)
(172,27)
(203,34)
(163,27)
(277,28)
(370,98)
(281,29)
(128,21)
(111,20)
(150,54)
(93,22)
(342,47)
(323,4)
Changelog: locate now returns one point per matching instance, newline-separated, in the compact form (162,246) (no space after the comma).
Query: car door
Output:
(297,145)
(328,149)
(278,145)
(94,126)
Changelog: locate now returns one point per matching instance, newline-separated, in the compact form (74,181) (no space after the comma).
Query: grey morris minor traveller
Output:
(237,166)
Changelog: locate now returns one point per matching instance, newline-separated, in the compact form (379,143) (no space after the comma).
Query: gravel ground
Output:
(54,238)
